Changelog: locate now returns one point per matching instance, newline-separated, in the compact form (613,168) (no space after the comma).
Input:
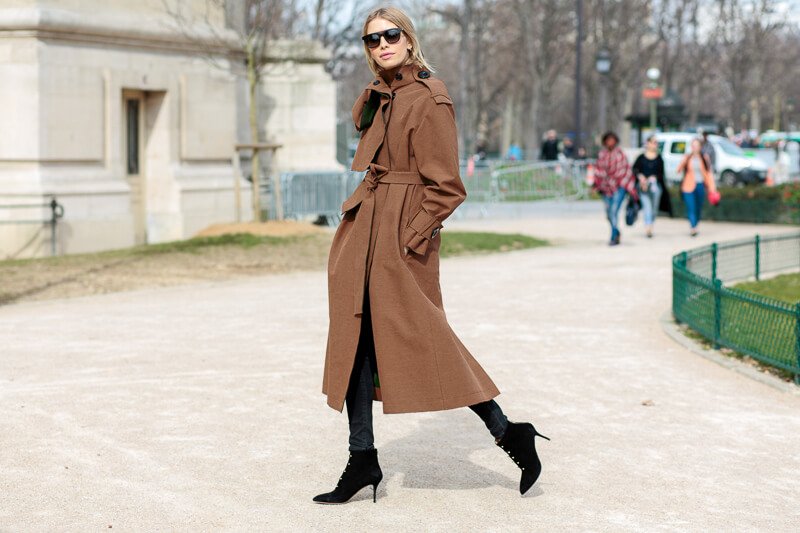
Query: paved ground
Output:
(198,407)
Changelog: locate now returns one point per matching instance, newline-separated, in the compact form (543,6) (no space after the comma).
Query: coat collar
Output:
(404,76)
(407,74)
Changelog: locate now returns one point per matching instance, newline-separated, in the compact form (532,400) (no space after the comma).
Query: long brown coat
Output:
(410,150)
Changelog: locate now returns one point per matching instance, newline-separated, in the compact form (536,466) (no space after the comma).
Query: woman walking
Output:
(613,179)
(697,176)
(389,338)
(649,169)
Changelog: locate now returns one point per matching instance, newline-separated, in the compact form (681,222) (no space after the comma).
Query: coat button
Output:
(376,82)
(424,74)
(398,76)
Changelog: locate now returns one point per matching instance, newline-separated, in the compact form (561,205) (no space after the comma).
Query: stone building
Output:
(130,121)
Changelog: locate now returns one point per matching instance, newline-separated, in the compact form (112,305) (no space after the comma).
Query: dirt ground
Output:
(199,407)
(273,228)
(305,247)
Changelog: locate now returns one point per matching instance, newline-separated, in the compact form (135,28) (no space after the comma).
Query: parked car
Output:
(733,166)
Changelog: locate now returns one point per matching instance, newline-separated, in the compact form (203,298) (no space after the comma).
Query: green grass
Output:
(466,242)
(193,245)
(453,243)
(785,287)
(200,258)
(761,366)
(748,326)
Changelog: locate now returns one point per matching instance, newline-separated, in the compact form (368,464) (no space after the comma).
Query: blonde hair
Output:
(402,21)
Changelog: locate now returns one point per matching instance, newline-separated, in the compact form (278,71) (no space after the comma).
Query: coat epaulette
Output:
(438,89)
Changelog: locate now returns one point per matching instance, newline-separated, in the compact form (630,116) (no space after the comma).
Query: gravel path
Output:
(199,408)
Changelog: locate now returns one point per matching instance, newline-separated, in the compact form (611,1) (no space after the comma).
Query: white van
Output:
(732,166)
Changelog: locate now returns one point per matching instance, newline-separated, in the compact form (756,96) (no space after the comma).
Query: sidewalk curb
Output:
(672,330)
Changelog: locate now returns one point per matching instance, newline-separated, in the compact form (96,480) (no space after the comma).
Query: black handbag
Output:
(631,211)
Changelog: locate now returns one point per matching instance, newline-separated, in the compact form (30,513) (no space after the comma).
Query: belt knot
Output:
(373,176)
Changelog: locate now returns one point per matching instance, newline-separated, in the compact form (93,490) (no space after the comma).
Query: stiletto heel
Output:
(519,443)
(362,470)
(539,434)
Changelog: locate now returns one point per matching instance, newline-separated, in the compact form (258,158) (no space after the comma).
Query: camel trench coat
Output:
(388,245)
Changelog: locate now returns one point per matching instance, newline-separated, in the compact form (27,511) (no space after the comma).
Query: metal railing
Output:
(56,212)
(322,193)
(316,193)
(764,328)
(521,181)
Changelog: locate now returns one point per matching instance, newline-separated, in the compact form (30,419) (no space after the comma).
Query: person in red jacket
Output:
(613,179)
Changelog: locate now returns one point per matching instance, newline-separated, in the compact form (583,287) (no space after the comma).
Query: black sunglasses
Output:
(373,40)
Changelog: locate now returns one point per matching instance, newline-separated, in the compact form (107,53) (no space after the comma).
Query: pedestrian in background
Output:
(549,150)
(697,178)
(709,153)
(614,180)
(568,148)
(649,171)
(514,152)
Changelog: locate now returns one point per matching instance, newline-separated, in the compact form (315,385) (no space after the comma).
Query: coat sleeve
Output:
(435,146)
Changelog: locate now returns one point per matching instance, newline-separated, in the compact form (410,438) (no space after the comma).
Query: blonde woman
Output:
(389,338)
(697,178)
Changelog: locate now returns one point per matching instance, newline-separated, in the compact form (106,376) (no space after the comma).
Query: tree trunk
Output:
(252,79)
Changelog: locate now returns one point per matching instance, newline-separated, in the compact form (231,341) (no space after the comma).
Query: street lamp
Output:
(602,63)
(655,93)
(578,81)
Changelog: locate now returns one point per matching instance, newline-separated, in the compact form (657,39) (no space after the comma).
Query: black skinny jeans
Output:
(360,390)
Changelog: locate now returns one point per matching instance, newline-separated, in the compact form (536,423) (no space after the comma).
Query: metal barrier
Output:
(763,328)
(317,193)
(56,212)
(322,193)
(520,181)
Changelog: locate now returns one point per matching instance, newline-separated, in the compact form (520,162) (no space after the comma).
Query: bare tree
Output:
(248,27)
(510,63)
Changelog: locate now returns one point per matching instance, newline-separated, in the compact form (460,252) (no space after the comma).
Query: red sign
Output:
(652,93)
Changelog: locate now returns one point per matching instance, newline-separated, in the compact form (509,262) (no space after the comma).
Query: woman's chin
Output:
(389,65)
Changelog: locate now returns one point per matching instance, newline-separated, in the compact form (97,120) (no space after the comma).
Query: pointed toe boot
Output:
(518,443)
(362,470)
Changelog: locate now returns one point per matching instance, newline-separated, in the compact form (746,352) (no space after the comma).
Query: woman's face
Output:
(610,143)
(388,56)
(696,146)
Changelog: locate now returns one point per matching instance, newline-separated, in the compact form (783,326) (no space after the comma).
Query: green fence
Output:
(764,328)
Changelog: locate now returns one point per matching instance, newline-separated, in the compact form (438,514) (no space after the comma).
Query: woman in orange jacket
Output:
(697,178)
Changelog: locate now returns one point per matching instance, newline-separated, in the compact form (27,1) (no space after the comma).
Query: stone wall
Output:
(69,69)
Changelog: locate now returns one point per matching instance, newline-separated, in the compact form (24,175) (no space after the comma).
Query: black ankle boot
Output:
(518,443)
(361,471)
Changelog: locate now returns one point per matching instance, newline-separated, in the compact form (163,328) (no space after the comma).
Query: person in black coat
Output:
(649,171)
(549,150)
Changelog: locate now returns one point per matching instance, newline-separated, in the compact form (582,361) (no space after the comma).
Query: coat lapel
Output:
(373,102)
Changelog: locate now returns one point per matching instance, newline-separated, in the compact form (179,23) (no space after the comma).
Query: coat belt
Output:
(363,226)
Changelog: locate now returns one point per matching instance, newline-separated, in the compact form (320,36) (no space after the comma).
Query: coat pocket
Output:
(420,230)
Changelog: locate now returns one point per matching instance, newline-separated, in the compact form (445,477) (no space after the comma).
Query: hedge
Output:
(759,204)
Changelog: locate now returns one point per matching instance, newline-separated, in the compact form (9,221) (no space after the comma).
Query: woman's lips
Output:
(387,55)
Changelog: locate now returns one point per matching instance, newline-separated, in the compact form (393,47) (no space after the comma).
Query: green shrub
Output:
(758,204)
